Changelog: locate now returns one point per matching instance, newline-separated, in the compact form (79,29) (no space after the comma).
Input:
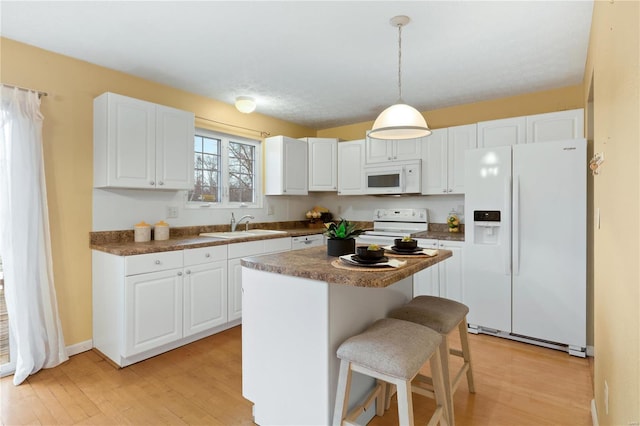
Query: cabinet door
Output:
(408,149)
(506,132)
(351,167)
(460,139)
(450,272)
(555,126)
(174,148)
(205,297)
(427,281)
(130,142)
(295,167)
(323,164)
(153,310)
(234,298)
(434,163)
(378,150)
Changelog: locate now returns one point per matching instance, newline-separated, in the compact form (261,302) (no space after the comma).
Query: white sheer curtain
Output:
(24,237)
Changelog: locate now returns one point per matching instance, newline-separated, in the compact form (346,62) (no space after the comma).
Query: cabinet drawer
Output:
(205,255)
(152,262)
(249,248)
(278,244)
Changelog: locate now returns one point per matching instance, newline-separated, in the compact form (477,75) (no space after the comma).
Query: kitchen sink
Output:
(242,234)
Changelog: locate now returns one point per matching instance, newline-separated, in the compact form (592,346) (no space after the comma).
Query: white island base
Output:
(291,330)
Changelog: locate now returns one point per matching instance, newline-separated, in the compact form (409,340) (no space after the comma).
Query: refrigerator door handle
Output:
(516,225)
(507,206)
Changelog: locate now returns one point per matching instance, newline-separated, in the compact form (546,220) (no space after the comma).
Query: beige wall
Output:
(532,103)
(613,65)
(68,151)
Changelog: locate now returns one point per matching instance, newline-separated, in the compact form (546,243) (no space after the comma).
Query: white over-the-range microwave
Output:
(393,178)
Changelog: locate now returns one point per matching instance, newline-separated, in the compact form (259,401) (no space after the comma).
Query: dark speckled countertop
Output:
(122,243)
(314,264)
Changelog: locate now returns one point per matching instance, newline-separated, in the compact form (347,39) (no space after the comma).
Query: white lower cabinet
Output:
(205,292)
(236,252)
(153,310)
(444,279)
(234,301)
(147,304)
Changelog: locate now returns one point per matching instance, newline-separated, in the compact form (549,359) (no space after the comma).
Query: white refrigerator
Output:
(525,242)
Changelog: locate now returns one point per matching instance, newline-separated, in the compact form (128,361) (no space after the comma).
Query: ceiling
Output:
(320,64)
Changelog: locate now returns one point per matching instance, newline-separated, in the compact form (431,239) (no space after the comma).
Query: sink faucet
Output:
(234,223)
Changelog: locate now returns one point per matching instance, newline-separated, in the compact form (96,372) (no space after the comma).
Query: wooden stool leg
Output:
(466,353)
(342,394)
(389,391)
(405,403)
(448,391)
(439,388)
(381,399)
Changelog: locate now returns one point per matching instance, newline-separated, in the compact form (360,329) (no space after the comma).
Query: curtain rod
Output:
(40,94)
(262,132)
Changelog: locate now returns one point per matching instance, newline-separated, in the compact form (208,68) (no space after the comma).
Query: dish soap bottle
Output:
(453,222)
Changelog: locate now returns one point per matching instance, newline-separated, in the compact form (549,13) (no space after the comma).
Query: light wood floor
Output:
(516,384)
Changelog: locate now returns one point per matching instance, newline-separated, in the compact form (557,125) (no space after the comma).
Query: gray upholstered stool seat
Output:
(442,315)
(437,313)
(392,351)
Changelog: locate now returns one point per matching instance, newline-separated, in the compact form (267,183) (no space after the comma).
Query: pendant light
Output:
(399,121)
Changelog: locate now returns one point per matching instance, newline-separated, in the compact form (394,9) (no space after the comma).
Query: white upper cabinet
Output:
(381,151)
(555,126)
(351,167)
(508,131)
(286,166)
(323,164)
(138,144)
(434,163)
(443,159)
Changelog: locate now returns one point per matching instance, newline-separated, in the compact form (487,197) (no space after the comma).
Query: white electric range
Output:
(389,224)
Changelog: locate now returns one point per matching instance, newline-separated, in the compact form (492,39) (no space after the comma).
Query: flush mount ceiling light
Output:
(245,104)
(399,121)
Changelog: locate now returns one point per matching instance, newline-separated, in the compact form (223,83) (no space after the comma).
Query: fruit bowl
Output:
(404,244)
(365,252)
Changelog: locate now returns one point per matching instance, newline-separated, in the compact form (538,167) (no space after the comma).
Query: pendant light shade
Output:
(399,121)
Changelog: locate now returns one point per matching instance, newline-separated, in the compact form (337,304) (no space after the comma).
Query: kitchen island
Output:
(297,309)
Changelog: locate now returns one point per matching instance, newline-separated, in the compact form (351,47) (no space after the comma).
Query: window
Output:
(226,170)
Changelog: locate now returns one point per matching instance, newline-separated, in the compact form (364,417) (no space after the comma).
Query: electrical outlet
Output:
(172,212)
(270,210)
(606,398)
(339,209)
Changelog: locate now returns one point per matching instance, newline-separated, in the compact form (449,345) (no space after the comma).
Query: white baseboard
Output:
(594,413)
(10,368)
(87,345)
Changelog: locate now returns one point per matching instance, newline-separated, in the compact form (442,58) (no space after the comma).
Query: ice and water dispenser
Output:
(487,226)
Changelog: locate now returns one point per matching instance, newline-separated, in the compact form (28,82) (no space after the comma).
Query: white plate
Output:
(424,251)
(391,263)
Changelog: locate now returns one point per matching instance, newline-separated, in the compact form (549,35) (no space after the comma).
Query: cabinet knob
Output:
(152,183)
(450,190)
(207,255)
(179,273)
(188,271)
(158,262)
(444,190)
(161,183)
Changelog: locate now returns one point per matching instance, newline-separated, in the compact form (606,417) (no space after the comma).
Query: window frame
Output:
(225,140)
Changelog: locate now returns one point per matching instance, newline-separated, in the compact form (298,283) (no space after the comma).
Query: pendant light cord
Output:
(400,64)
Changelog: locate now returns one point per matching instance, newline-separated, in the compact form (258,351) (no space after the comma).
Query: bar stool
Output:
(391,351)
(442,315)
